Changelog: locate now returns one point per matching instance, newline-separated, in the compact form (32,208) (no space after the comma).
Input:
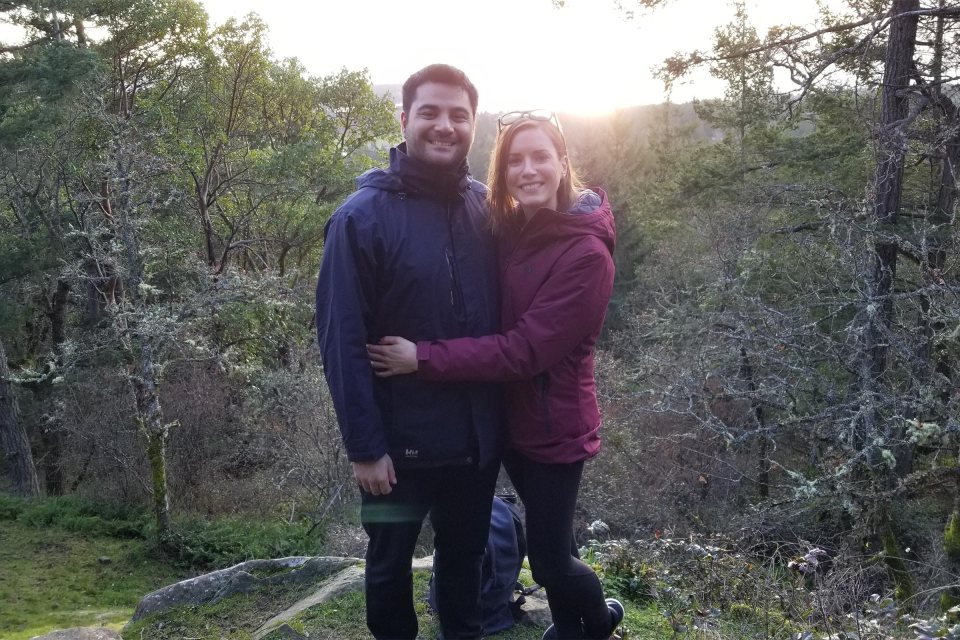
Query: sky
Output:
(521,54)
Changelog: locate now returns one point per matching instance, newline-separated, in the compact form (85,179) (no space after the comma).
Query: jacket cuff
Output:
(423,350)
(423,353)
(364,456)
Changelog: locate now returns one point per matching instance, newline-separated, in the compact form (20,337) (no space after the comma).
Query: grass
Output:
(343,619)
(66,563)
(236,618)
(51,575)
(51,578)
(233,618)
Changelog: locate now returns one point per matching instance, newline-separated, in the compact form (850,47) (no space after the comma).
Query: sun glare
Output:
(585,58)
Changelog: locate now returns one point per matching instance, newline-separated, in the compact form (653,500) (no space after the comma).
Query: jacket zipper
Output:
(456,293)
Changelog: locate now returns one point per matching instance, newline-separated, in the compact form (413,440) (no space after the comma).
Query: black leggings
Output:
(549,494)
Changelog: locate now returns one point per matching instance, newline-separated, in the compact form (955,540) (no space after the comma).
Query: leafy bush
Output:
(11,506)
(198,543)
(78,515)
(228,541)
(624,574)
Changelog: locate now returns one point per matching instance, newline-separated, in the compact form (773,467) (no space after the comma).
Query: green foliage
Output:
(182,174)
(623,572)
(11,506)
(703,582)
(904,588)
(197,543)
(256,331)
(228,541)
(36,88)
(951,537)
(83,516)
(948,600)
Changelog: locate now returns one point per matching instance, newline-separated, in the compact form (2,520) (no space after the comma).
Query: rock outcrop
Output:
(350,579)
(329,578)
(241,578)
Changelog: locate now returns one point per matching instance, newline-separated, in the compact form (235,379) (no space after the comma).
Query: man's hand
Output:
(377,476)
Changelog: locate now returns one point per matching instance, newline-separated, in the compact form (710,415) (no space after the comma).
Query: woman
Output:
(556,271)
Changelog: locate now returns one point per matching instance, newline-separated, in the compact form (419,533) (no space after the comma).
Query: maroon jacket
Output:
(556,277)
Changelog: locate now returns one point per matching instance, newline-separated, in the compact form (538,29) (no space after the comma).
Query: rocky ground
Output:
(297,597)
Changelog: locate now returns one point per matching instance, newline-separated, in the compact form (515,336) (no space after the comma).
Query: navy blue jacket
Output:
(409,254)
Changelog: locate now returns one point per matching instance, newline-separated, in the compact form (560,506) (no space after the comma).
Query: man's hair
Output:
(441,74)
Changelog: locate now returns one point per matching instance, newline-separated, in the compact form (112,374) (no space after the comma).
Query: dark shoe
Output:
(616,617)
(616,614)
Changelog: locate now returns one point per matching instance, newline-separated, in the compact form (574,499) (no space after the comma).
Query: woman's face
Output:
(534,170)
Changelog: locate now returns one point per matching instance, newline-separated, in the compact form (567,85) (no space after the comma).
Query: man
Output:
(409,253)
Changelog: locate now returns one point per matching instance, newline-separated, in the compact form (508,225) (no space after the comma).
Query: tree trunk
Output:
(51,432)
(763,434)
(872,433)
(943,210)
(51,460)
(150,421)
(938,360)
(14,443)
(888,187)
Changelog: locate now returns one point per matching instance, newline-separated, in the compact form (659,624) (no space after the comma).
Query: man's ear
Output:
(403,123)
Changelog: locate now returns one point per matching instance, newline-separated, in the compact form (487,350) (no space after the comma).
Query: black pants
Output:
(549,494)
(458,499)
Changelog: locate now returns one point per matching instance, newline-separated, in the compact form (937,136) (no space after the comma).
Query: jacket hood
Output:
(409,175)
(589,215)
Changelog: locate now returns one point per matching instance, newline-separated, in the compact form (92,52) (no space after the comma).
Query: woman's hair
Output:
(503,208)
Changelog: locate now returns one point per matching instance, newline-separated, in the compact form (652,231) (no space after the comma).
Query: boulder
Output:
(333,577)
(240,578)
(535,610)
(350,579)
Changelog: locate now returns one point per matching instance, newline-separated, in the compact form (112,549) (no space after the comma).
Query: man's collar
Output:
(421,177)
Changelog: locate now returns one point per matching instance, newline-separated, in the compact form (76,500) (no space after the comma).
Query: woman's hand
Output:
(392,356)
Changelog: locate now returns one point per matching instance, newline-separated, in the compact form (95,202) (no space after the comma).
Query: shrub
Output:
(11,506)
(624,574)
(225,542)
(81,516)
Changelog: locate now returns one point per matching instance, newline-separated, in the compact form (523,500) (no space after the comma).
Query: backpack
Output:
(501,594)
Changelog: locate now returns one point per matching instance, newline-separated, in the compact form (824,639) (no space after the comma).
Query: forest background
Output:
(779,364)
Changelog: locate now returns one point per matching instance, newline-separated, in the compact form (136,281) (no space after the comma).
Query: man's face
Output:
(439,127)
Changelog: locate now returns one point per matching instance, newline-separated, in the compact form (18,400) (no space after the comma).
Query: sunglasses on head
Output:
(537,115)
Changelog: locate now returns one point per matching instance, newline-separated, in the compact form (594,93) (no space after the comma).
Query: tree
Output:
(794,311)
(14,442)
(163,208)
